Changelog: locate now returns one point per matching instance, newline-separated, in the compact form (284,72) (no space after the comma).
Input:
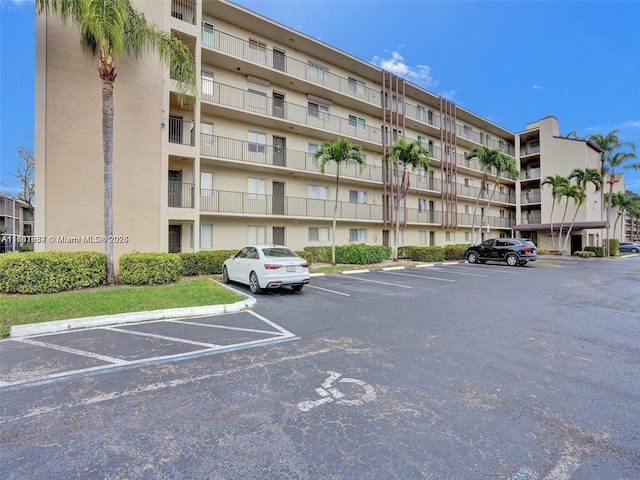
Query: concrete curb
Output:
(18,331)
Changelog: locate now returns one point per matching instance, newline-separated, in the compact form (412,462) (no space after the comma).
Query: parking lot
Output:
(443,371)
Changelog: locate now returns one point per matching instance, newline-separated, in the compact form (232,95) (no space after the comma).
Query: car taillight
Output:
(272,266)
(527,249)
(305,265)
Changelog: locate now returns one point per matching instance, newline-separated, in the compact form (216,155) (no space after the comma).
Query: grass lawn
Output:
(22,309)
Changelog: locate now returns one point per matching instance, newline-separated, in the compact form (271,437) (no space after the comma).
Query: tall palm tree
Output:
(623,202)
(409,156)
(112,29)
(339,152)
(608,144)
(557,184)
(490,159)
(577,193)
(634,212)
(586,176)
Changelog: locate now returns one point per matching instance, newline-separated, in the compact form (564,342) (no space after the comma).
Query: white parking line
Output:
(420,276)
(74,351)
(162,337)
(383,283)
(449,270)
(327,290)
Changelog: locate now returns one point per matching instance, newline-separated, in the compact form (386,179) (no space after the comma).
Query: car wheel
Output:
(512,260)
(296,288)
(225,275)
(472,257)
(254,285)
(634,250)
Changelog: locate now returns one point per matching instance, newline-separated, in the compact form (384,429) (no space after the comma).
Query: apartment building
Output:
(16,224)
(235,165)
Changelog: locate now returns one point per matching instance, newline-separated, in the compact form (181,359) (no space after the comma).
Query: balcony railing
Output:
(531,219)
(181,131)
(531,197)
(181,195)
(277,60)
(242,151)
(184,10)
(255,103)
(530,173)
(529,151)
(221,201)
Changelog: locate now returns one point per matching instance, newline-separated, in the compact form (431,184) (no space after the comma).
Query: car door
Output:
(486,249)
(238,265)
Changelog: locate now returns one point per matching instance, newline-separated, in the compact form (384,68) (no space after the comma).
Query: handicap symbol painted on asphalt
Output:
(329,393)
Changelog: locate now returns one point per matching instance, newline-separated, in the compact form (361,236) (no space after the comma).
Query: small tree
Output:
(557,183)
(339,152)
(577,193)
(25,171)
(409,156)
(490,159)
(623,202)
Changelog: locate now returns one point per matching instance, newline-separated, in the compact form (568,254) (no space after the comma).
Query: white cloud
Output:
(421,74)
(538,87)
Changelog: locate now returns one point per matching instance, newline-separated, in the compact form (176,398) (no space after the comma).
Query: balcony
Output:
(181,131)
(220,201)
(277,60)
(181,195)
(184,10)
(531,219)
(255,103)
(531,197)
(530,173)
(483,139)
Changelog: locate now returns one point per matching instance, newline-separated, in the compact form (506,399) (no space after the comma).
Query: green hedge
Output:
(355,253)
(50,272)
(422,254)
(203,263)
(614,247)
(584,254)
(598,251)
(317,254)
(455,252)
(149,268)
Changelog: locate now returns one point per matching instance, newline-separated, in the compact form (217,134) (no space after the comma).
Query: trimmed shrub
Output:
(455,252)
(542,251)
(149,268)
(584,254)
(318,254)
(614,247)
(203,263)
(598,251)
(422,254)
(304,254)
(360,254)
(50,272)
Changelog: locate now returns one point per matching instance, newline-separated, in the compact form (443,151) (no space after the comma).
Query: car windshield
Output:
(278,252)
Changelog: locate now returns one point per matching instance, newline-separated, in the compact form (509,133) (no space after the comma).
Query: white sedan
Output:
(266,266)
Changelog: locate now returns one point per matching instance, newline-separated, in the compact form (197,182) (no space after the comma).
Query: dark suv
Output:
(514,251)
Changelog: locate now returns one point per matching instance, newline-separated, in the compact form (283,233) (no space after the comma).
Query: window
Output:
(430,117)
(207,34)
(207,85)
(395,202)
(467,182)
(256,188)
(318,234)
(206,184)
(256,234)
(356,121)
(318,110)
(256,101)
(357,234)
(422,237)
(318,192)
(422,205)
(257,52)
(421,174)
(257,142)
(450,236)
(312,149)
(356,86)
(421,113)
(206,235)
(422,140)
(357,196)
(467,209)
(467,237)
(315,70)
(467,131)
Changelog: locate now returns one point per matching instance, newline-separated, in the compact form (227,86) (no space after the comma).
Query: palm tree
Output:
(411,156)
(634,212)
(608,144)
(586,176)
(339,152)
(557,184)
(577,193)
(490,159)
(112,29)
(623,202)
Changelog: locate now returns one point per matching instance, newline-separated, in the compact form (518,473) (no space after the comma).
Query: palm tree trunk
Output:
(564,215)
(335,214)
(107,147)
(609,203)
(486,212)
(575,214)
(553,240)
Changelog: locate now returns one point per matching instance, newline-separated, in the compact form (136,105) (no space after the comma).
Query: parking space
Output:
(48,357)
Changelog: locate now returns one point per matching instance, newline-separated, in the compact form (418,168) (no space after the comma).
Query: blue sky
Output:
(511,62)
